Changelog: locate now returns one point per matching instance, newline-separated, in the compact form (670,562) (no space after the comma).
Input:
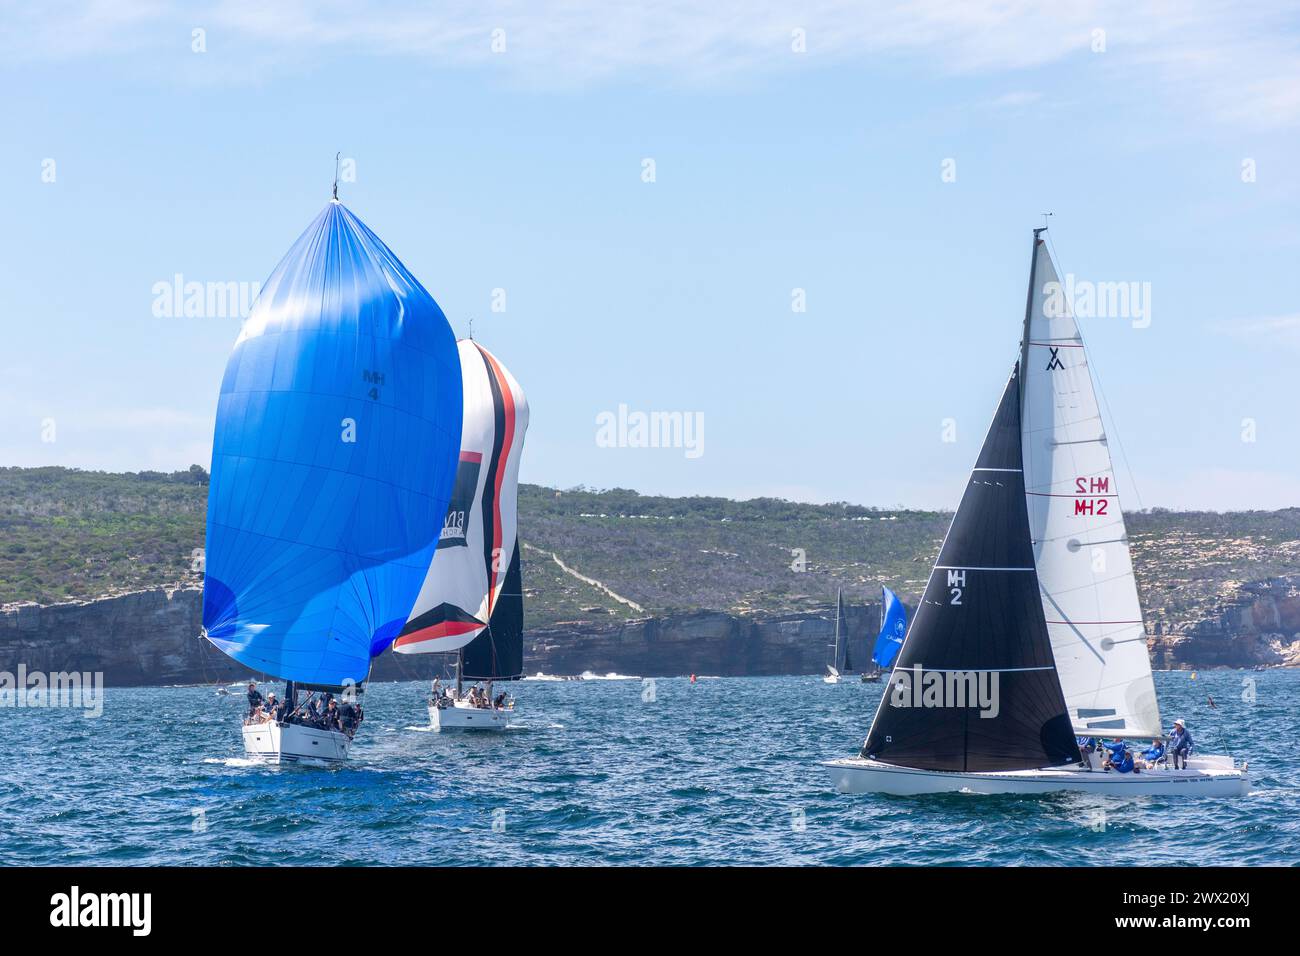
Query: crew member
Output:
(1180,743)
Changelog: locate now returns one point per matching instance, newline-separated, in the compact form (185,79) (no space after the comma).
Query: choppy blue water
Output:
(719,772)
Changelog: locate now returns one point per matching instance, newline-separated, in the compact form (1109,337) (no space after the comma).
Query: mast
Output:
(839,615)
(1029,311)
(837,626)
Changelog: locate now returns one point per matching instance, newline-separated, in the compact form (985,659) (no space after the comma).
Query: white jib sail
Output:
(478,537)
(1084,568)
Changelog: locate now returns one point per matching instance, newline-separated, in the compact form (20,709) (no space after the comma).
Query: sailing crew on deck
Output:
(271,710)
(254,697)
(347,717)
(1118,758)
(1087,747)
(1152,755)
(1180,743)
(330,719)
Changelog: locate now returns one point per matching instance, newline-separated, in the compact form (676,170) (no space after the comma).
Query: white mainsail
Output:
(1081,547)
(478,537)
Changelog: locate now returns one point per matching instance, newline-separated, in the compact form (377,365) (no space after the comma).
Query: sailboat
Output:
(893,627)
(839,666)
(337,430)
(1029,636)
(471,602)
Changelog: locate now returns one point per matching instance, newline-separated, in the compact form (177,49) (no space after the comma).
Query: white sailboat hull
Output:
(463,717)
(291,743)
(1211,776)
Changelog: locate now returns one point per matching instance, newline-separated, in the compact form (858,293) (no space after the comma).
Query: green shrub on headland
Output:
(73,535)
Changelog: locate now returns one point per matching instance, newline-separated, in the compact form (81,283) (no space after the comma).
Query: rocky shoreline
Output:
(151,637)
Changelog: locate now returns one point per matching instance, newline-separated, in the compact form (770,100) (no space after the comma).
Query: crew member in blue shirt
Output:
(1119,757)
(1180,743)
(1151,756)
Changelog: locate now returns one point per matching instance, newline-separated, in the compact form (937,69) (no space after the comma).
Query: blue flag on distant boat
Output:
(893,628)
(337,436)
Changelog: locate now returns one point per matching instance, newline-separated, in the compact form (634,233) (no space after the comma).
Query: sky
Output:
(806,226)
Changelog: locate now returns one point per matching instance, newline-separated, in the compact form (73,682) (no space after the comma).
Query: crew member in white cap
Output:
(1180,743)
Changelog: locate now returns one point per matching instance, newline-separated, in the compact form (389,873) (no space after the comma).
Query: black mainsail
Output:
(842,628)
(975,685)
(498,651)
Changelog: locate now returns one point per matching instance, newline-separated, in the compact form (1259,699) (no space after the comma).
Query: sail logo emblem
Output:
(454,526)
(1055,362)
(462,501)
(938,689)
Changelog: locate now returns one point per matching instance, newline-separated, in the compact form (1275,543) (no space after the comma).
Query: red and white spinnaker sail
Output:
(481,529)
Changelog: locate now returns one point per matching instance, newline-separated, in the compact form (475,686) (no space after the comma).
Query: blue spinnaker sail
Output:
(337,437)
(893,628)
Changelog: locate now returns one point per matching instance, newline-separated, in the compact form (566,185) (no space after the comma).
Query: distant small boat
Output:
(839,667)
(893,628)
(1019,647)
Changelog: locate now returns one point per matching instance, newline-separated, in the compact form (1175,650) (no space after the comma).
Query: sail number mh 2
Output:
(1091,487)
(956,584)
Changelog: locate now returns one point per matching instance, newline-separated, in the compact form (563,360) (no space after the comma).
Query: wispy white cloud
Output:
(1267,331)
(1015,99)
(1239,65)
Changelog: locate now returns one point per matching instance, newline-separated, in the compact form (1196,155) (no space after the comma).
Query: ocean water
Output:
(717,773)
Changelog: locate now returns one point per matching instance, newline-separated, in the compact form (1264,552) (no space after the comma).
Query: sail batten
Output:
(1081,549)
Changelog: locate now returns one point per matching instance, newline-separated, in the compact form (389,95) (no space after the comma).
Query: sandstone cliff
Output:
(1258,626)
(151,637)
